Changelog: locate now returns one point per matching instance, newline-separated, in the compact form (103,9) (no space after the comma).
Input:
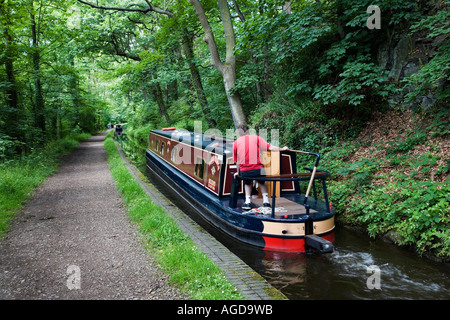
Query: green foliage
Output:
(439,126)
(8,146)
(285,34)
(416,210)
(433,74)
(134,141)
(57,59)
(403,200)
(361,171)
(359,80)
(413,139)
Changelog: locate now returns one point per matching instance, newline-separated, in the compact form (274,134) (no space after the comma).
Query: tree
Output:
(226,68)
(41,76)
(196,78)
(36,56)
(14,108)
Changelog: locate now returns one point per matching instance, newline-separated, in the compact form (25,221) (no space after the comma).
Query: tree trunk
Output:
(58,122)
(228,68)
(76,100)
(196,79)
(158,95)
(266,74)
(11,89)
(339,14)
(266,85)
(38,96)
(14,112)
(234,98)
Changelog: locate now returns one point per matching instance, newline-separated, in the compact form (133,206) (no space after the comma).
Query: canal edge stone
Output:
(250,284)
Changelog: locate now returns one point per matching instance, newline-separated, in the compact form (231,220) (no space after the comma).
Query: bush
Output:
(21,176)
(8,146)
(402,199)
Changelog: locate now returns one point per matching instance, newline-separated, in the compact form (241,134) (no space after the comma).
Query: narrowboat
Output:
(200,169)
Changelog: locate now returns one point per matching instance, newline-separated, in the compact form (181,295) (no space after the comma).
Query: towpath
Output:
(74,240)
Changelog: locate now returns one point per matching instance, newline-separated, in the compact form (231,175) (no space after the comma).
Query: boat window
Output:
(157,145)
(199,168)
(173,155)
(162,148)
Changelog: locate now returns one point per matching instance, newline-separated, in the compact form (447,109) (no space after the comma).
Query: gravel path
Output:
(74,240)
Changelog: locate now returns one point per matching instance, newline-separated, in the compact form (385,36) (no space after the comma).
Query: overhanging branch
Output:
(143,10)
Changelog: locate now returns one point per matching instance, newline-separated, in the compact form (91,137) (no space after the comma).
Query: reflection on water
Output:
(343,274)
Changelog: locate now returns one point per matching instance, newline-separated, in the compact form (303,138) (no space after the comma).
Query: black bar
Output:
(314,190)
(273,198)
(234,191)
(317,160)
(309,223)
(325,196)
(289,179)
(318,243)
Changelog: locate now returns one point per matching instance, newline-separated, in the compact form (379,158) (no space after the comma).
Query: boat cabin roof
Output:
(214,143)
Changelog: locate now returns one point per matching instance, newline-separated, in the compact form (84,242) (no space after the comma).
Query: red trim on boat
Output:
(284,245)
(329,237)
(290,245)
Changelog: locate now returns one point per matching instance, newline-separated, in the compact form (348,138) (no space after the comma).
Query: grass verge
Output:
(19,177)
(189,268)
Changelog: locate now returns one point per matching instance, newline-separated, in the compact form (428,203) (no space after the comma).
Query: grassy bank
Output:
(189,269)
(19,177)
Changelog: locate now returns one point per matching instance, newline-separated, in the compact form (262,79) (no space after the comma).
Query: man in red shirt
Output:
(246,154)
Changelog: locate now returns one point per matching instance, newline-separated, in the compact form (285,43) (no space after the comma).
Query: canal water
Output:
(359,267)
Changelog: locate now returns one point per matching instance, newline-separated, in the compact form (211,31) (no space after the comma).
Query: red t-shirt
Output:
(246,152)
